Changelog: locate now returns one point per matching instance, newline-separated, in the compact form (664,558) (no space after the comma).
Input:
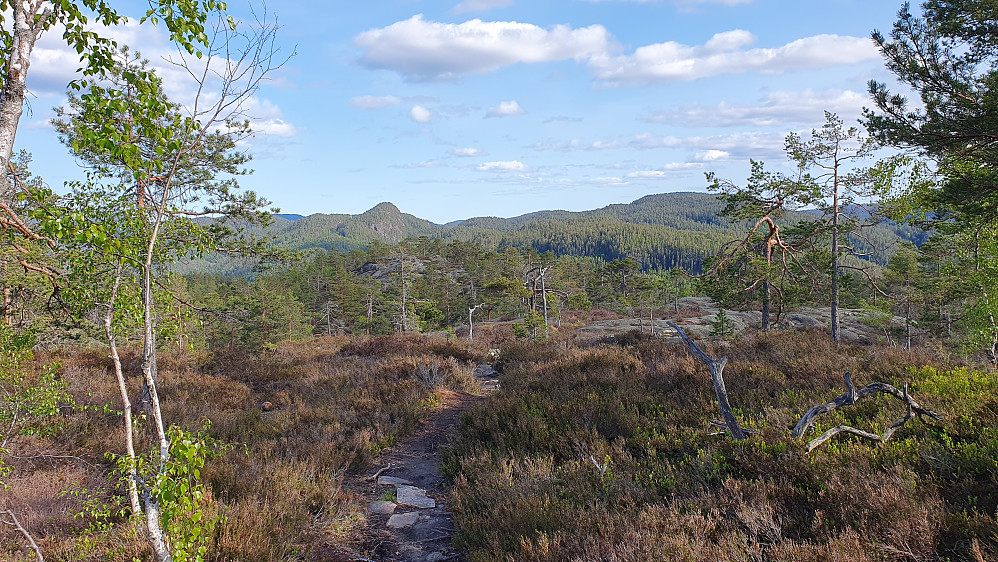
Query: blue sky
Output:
(461,108)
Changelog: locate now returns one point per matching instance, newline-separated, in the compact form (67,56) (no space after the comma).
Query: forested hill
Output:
(660,231)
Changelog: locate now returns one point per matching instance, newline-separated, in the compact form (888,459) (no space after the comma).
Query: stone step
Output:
(413,496)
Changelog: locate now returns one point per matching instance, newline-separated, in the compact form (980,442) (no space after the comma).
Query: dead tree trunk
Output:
(716,368)
(851,396)
(471,326)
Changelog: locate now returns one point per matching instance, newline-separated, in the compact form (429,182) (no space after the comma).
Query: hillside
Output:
(660,231)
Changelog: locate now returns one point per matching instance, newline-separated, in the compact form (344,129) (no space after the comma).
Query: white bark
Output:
(25,33)
(126,404)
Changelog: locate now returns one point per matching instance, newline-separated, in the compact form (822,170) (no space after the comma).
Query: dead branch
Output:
(851,396)
(17,525)
(375,476)
(716,368)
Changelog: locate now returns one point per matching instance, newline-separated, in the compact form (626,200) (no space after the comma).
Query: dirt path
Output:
(417,526)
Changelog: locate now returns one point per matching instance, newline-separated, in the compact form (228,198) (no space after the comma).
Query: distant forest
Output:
(660,232)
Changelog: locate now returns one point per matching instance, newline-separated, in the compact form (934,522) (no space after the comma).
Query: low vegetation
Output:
(608,453)
(277,487)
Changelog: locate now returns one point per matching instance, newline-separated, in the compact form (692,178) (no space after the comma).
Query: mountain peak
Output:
(384,208)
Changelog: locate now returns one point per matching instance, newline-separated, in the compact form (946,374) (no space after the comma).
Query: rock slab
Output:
(413,496)
(382,508)
(392,481)
(403,520)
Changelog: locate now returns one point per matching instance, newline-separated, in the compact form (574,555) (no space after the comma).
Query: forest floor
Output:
(408,518)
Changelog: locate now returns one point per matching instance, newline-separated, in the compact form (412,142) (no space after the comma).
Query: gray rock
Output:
(403,520)
(435,557)
(413,496)
(382,508)
(485,372)
(392,481)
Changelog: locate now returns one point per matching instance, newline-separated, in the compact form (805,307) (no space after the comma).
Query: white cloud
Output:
(275,127)
(726,53)
(424,164)
(776,109)
(373,102)
(673,166)
(758,145)
(576,144)
(425,50)
(54,65)
(465,152)
(609,180)
(505,109)
(713,155)
(501,166)
(645,174)
(481,5)
(664,171)
(420,114)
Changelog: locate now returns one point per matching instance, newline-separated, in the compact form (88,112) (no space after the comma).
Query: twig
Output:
(17,525)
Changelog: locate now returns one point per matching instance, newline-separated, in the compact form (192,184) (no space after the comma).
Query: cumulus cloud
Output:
(275,127)
(503,166)
(465,152)
(713,155)
(505,109)
(426,50)
(373,102)
(776,109)
(420,114)
(608,180)
(481,5)
(727,53)
(54,65)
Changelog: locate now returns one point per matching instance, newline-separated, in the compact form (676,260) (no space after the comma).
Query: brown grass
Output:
(337,404)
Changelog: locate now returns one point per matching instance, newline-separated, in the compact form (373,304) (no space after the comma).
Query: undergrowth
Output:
(278,490)
(608,453)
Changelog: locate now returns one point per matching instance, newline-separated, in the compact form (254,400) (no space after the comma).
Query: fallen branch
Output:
(716,368)
(17,525)
(851,396)
(375,476)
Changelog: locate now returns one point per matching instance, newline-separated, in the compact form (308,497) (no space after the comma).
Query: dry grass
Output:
(337,404)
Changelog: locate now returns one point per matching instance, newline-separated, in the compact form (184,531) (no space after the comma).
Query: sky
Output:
(461,108)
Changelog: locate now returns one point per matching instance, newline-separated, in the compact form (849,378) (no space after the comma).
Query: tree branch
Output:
(17,525)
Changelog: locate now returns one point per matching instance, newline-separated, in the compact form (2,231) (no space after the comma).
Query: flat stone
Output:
(382,508)
(435,557)
(403,520)
(413,496)
(392,481)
